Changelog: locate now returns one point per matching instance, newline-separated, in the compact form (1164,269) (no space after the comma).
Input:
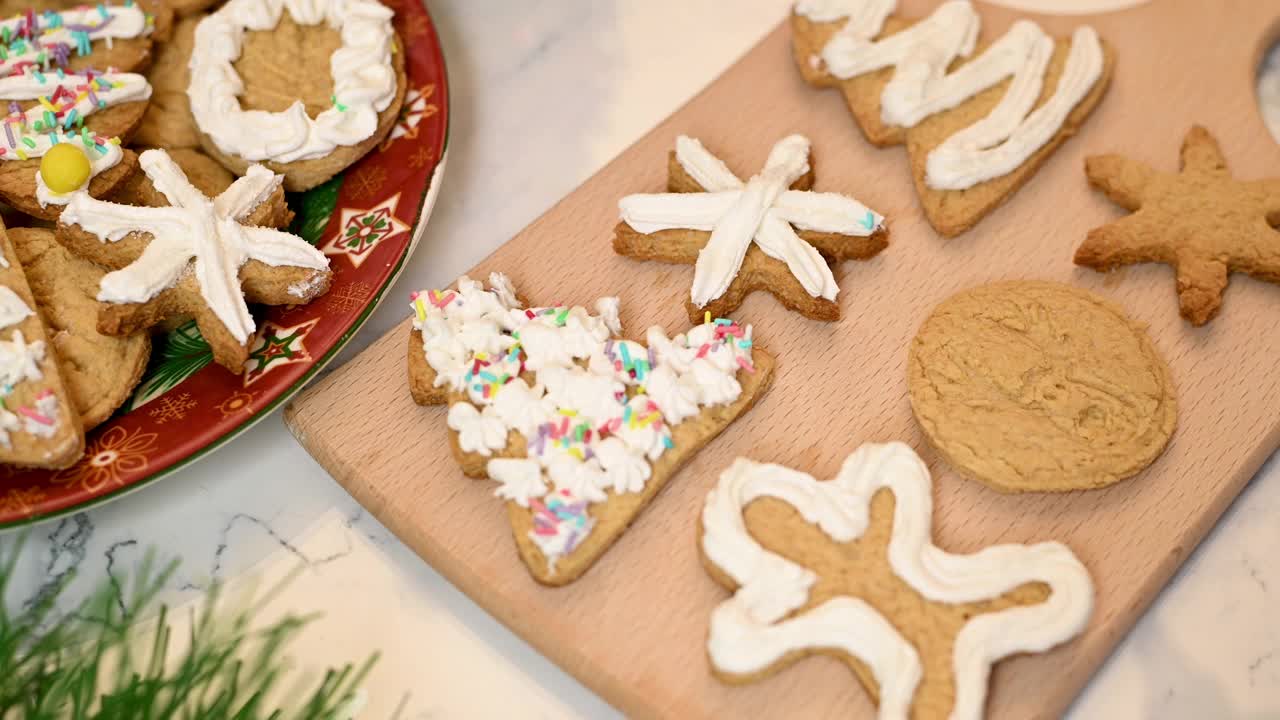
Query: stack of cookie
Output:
(146,153)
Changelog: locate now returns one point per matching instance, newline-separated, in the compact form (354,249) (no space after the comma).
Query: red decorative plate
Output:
(366,220)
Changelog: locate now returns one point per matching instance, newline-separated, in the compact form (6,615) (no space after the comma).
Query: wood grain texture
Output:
(634,627)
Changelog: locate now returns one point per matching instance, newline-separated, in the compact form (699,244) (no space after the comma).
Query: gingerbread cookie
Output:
(57,98)
(580,427)
(203,172)
(1202,221)
(265,96)
(196,257)
(1038,386)
(39,426)
(79,36)
(771,233)
(976,126)
(847,567)
(100,371)
(168,122)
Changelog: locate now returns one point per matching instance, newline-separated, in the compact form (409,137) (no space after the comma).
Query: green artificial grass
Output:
(112,658)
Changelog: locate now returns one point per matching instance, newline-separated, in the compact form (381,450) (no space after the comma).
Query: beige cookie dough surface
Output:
(1038,386)
(100,372)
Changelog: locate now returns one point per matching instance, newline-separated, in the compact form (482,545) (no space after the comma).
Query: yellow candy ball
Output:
(65,168)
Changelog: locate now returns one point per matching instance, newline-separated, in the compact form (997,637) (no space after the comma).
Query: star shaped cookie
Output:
(199,256)
(770,233)
(1201,220)
(842,568)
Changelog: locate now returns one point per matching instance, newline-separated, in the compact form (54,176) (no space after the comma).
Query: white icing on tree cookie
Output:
(193,228)
(752,630)
(763,210)
(364,79)
(589,424)
(19,361)
(922,86)
(12,309)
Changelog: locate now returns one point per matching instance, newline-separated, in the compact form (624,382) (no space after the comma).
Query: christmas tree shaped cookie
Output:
(580,427)
(848,568)
(978,119)
(39,426)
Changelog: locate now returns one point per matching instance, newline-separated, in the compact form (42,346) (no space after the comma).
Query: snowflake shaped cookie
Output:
(852,571)
(199,256)
(770,233)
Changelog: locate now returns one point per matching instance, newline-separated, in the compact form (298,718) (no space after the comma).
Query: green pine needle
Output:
(107,661)
(182,353)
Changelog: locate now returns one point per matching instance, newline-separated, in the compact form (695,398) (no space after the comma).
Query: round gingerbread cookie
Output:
(1037,386)
(304,88)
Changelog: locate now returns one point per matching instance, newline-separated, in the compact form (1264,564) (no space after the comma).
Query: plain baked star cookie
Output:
(847,567)
(771,233)
(199,257)
(305,88)
(1032,386)
(1202,221)
(580,427)
(100,371)
(978,119)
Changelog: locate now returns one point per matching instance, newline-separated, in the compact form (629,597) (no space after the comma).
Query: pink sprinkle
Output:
(745,365)
(702,351)
(542,510)
(35,416)
(44,394)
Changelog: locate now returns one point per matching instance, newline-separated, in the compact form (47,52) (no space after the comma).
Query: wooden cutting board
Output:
(634,627)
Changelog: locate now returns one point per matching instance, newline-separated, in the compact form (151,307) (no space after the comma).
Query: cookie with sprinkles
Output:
(99,371)
(56,90)
(39,424)
(309,124)
(580,427)
(83,36)
(771,233)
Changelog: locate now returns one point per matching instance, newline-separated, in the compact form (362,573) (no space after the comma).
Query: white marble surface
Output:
(544,94)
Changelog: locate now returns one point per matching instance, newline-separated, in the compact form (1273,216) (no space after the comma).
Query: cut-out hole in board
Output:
(1269,90)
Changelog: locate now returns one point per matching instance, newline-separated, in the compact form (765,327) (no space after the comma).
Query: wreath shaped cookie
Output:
(248,109)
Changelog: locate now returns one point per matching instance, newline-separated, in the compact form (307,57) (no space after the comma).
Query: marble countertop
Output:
(543,95)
